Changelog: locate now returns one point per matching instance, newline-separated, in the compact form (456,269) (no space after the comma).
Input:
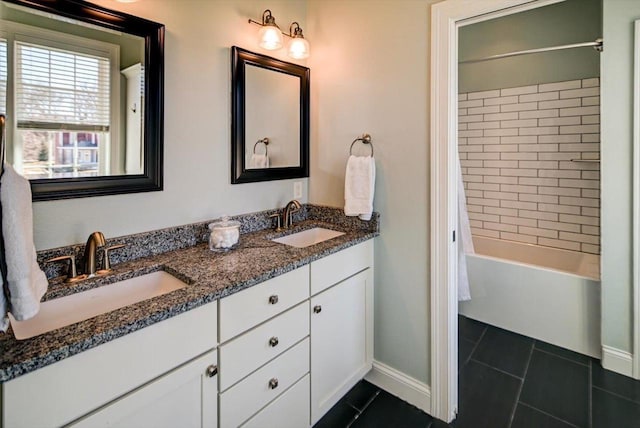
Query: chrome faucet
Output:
(291,207)
(96,239)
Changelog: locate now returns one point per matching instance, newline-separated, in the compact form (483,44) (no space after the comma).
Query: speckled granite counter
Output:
(210,276)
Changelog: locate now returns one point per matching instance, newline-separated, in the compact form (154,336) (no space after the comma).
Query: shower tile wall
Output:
(523,152)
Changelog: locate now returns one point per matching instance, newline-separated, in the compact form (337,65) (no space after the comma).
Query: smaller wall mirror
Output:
(270,118)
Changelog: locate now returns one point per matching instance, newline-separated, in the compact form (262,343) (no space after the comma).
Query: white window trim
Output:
(16,32)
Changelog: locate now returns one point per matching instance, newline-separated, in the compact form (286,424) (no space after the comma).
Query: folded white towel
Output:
(259,161)
(359,186)
(26,282)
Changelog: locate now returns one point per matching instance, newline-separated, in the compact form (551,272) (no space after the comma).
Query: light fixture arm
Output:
(267,19)
(295,31)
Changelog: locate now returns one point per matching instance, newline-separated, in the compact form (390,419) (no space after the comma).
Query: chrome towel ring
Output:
(365,139)
(264,141)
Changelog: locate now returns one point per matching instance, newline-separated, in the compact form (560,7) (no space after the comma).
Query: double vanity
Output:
(270,334)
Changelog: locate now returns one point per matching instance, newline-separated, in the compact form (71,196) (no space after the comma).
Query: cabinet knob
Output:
(317,309)
(273,342)
(273,299)
(212,370)
(273,383)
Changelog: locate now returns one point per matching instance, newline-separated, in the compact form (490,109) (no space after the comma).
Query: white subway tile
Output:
(544,96)
(591,138)
(519,107)
(547,199)
(520,123)
(578,219)
(462,127)
(518,172)
(501,195)
(558,173)
(474,193)
(519,90)
(472,103)
(580,129)
(466,148)
(567,227)
(562,209)
(583,184)
(591,101)
(483,110)
(572,102)
(556,243)
(466,119)
(537,181)
(473,178)
(519,156)
(500,101)
(501,227)
(580,93)
(580,202)
(589,120)
(580,111)
(580,147)
(462,97)
(501,164)
(501,211)
(501,148)
(579,237)
(559,139)
(471,163)
(560,86)
(483,140)
(520,139)
(484,202)
(463,111)
(559,156)
(475,208)
(541,130)
(494,156)
(518,205)
(547,233)
(501,180)
(484,171)
(540,215)
(590,230)
(483,94)
(487,125)
(560,191)
(501,116)
(500,132)
(484,232)
(593,81)
(592,249)
(536,114)
(539,164)
(475,223)
(518,238)
(591,212)
(556,121)
(517,188)
(519,221)
(483,217)
(579,165)
(538,147)
(591,155)
(462,156)
(485,186)
(474,133)
(590,193)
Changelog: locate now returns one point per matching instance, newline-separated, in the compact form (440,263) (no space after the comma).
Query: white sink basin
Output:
(81,306)
(309,237)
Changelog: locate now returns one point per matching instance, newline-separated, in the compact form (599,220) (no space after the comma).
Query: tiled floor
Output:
(511,381)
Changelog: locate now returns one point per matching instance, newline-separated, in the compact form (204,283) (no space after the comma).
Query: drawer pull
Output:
(273,342)
(273,383)
(212,370)
(317,309)
(273,299)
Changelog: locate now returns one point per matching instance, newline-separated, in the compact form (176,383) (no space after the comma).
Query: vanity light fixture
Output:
(270,36)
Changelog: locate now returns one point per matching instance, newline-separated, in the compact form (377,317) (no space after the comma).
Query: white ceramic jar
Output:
(224,234)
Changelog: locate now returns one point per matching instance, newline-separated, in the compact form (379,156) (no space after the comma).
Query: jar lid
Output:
(224,223)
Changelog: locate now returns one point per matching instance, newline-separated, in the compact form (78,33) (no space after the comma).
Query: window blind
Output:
(61,90)
(3,76)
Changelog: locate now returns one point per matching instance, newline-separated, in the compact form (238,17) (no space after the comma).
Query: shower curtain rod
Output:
(597,45)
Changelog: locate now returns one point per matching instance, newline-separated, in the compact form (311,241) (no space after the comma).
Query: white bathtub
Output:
(545,293)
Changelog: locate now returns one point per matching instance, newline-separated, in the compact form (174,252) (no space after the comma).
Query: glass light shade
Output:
(270,37)
(298,48)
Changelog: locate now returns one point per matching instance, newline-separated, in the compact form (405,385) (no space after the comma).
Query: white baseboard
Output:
(617,361)
(402,386)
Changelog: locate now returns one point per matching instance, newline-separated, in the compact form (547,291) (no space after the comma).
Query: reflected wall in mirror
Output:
(270,118)
(81,87)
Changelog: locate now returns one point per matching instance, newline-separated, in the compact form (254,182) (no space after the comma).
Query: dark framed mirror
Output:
(269,118)
(88,98)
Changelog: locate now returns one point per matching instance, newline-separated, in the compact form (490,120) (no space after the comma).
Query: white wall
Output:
(197,186)
(369,64)
(617,153)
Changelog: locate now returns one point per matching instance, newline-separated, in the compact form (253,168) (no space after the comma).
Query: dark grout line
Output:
(475,346)
(548,414)
(496,369)
(524,376)
(617,395)
(564,358)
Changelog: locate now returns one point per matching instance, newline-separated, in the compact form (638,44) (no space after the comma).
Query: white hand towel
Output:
(359,186)
(26,282)
(259,161)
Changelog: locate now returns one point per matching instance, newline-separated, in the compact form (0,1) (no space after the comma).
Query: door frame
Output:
(446,18)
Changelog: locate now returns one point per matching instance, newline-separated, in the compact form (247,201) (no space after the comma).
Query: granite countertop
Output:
(209,275)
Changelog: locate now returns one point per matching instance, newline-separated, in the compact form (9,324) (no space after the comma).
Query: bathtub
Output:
(549,294)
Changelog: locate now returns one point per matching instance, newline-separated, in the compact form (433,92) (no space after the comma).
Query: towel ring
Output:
(366,139)
(264,141)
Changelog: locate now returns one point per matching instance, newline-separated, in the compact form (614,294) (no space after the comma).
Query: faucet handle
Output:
(279,225)
(107,262)
(72,274)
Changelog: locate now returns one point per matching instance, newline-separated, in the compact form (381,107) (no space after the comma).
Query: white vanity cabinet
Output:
(341,325)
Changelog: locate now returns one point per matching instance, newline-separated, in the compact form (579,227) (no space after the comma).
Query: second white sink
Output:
(309,237)
(81,306)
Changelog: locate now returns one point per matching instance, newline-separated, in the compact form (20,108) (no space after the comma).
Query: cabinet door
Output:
(184,397)
(340,332)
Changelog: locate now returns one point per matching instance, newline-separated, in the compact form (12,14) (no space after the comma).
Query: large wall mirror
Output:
(270,118)
(82,89)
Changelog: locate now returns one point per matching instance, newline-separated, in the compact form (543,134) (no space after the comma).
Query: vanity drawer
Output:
(244,399)
(246,353)
(341,265)
(242,311)
(290,410)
